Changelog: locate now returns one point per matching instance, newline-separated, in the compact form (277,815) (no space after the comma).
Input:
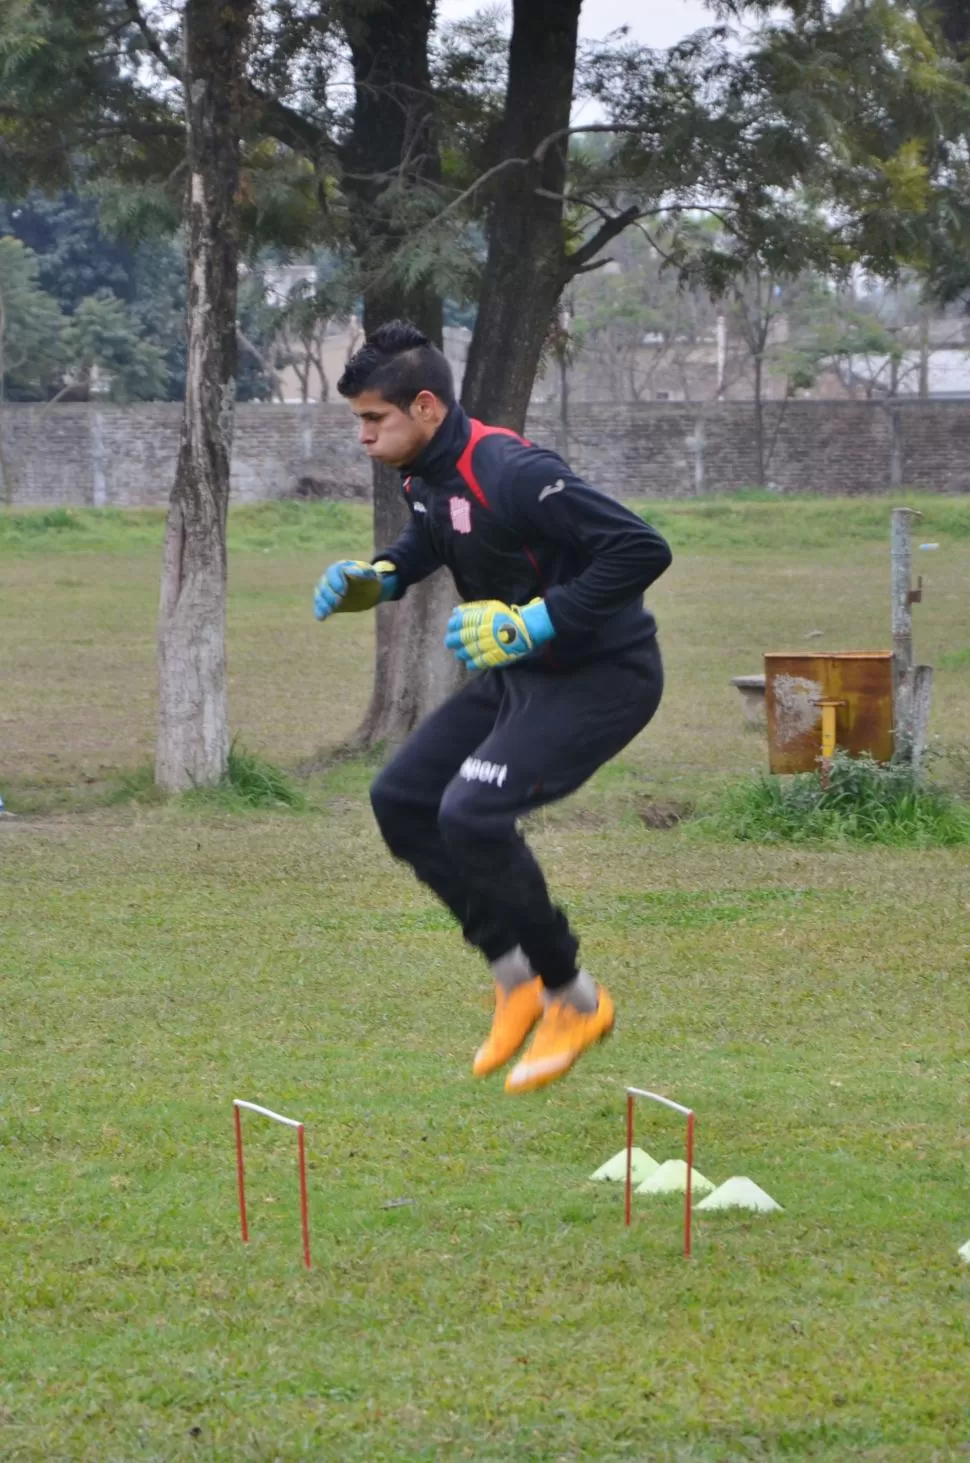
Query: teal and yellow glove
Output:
(487,633)
(353,584)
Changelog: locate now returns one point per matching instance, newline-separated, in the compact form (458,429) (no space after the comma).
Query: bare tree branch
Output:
(596,264)
(667,258)
(151,40)
(612,224)
(65,390)
(589,203)
(607,231)
(257,355)
(289,126)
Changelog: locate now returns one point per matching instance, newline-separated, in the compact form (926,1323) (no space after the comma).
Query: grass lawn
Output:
(158,960)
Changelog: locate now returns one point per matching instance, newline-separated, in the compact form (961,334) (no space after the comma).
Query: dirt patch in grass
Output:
(663,812)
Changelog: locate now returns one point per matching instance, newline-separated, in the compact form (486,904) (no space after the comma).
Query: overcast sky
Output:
(654,22)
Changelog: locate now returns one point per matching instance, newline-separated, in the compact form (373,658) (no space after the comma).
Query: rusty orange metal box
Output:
(796,684)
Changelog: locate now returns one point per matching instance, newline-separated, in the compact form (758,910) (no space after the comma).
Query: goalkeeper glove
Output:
(487,633)
(353,584)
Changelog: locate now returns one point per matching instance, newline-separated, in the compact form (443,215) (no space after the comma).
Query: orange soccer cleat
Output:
(516,1012)
(563,1035)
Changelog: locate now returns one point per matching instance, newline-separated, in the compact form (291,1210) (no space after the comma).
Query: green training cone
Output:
(671,1178)
(613,1171)
(740,1193)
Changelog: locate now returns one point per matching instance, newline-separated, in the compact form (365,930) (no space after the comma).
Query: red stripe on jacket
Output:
(464,463)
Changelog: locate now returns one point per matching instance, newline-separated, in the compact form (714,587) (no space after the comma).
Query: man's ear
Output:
(425,406)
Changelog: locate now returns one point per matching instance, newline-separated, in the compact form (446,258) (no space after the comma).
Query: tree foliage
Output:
(101,337)
(861,109)
(850,110)
(30,325)
(75,256)
(97,315)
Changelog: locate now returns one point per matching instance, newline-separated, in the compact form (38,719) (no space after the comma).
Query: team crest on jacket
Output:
(461,515)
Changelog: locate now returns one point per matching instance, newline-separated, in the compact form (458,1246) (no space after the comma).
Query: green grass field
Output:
(157,960)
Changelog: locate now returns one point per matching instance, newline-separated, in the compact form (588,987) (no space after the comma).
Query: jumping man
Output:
(551,573)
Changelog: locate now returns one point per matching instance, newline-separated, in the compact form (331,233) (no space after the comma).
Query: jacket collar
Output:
(435,464)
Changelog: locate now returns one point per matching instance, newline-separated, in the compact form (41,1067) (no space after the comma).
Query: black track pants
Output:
(508,742)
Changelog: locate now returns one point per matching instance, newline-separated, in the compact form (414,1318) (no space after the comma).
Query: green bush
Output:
(864,801)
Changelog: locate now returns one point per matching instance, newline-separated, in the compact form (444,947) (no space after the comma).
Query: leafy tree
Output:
(102,337)
(75,257)
(30,325)
(311,308)
(158,304)
(78,260)
(830,329)
(392,175)
(76,96)
(193,735)
(635,301)
(259,321)
(30,337)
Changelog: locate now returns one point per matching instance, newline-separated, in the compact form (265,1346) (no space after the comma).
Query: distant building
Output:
(947,373)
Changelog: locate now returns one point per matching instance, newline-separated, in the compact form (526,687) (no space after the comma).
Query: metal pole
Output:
(685,1112)
(902,627)
(304,1208)
(267,1112)
(902,618)
(690,1174)
(629,1159)
(241,1175)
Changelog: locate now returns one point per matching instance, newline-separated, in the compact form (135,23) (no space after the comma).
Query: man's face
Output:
(394,436)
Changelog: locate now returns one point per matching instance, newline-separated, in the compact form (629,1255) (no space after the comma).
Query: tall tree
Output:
(102,337)
(193,728)
(74,256)
(526,268)
(30,338)
(636,327)
(31,324)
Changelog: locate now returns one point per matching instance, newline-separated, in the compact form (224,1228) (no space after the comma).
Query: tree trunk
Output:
(413,672)
(193,729)
(6,471)
(6,485)
(954,21)
(563,405)
(525,273)
(924,353)
(394,137)
(526,267)
(761,466)
(393,146)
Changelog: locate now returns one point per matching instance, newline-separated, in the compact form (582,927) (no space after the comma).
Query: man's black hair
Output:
(398,361)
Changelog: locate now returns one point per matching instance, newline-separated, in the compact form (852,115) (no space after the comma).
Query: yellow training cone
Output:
(740,1193)
(613,1171)
(671,1178)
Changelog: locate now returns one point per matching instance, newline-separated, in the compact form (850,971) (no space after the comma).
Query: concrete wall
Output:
(125,456)
(104,455)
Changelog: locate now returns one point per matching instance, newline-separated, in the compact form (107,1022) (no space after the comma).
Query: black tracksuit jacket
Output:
(512,522)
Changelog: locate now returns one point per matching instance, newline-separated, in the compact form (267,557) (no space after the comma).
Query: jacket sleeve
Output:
(620,553)
(413,554)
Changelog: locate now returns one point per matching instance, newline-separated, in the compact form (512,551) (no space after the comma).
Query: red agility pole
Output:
(631,1094)
(276,1117)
